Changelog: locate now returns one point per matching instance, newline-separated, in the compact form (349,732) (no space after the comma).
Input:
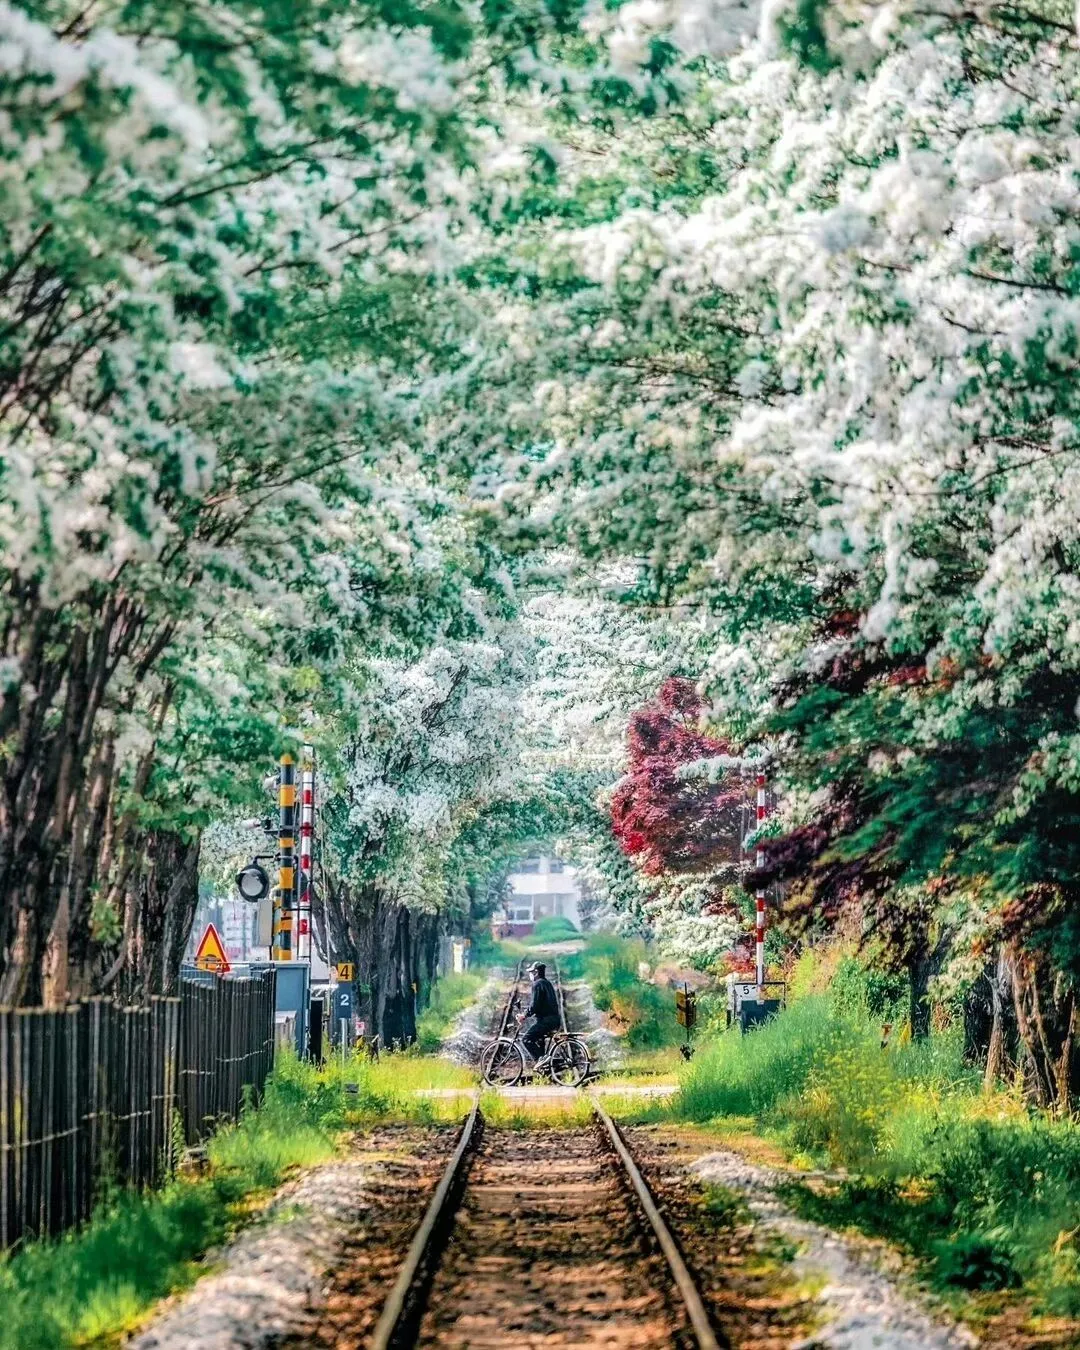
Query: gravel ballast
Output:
(862,1307)
(316,1267)
(272,1278)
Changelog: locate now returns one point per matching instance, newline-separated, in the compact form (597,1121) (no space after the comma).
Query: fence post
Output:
(7,1123)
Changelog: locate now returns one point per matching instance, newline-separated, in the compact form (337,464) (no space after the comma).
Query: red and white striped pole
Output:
(284,936)
(760,866)
(307,849)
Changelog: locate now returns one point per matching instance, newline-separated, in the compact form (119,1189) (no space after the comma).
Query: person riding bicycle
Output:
(544,1007)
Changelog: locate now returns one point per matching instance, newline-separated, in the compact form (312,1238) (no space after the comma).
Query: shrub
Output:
(646,1013)
(446,999)
(748,1075)
(844,1108)
(976,1261)
(552,928)
(861,992)
(984,1191)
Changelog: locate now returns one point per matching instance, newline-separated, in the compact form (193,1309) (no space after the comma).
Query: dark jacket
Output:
(545,1003)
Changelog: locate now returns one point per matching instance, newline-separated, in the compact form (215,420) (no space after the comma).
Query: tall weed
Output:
(645,1013)
(984,1191)
(737,1075)
(448,996)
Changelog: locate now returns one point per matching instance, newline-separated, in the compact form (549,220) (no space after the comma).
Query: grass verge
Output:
(641,1012)
(982,1192)
(448,997)
(92,1286)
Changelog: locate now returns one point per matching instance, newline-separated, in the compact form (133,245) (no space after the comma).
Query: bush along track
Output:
(449,998)
(979,1192)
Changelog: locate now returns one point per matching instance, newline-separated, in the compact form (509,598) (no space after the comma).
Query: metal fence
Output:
(226,1048)
(89,1093)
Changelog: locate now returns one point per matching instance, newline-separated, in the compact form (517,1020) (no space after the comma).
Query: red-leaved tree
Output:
(666,822)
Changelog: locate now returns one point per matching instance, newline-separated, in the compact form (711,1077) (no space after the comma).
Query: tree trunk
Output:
(390,947)
(392,976)
(160,904)
(1000,982)
(1046,1018)
(49,727)
(920,969)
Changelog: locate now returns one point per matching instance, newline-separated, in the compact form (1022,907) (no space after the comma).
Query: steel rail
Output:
(560,994)
(393,1327)
(707,1338)
(405,1305)
(591,1072)
(510,999)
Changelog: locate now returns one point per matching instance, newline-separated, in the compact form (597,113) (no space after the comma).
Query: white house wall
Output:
(534,895)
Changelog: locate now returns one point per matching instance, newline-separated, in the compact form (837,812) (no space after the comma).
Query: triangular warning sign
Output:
(211,954)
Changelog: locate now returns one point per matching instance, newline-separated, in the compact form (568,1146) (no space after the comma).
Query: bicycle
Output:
(566,1060)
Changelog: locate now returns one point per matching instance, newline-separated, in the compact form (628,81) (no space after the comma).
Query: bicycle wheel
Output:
(502,1063)
(570,1063)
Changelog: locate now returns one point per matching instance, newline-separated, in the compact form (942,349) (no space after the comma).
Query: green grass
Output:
(399,1075)
(91,1286)
(448,997)
(654,1066)
(644,1013)
(519,1114)
(554,928)
(355,1092)
(985,1194)
(489,953)
(727,1207)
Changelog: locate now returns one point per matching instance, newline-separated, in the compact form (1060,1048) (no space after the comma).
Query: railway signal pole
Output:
(307,845)
(283,897)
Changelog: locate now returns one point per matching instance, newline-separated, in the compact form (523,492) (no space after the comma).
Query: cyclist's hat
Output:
(538,968)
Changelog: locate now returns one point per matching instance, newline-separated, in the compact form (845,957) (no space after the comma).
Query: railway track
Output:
(545,1237)
(508,1006)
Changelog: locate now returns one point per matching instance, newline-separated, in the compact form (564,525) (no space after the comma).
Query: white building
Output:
(539,888)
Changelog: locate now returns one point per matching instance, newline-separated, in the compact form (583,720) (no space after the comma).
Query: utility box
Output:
(293,1000)
(748,1005)
(754,1014)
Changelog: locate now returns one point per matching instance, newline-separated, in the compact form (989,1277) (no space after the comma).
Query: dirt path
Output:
(547,1250)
